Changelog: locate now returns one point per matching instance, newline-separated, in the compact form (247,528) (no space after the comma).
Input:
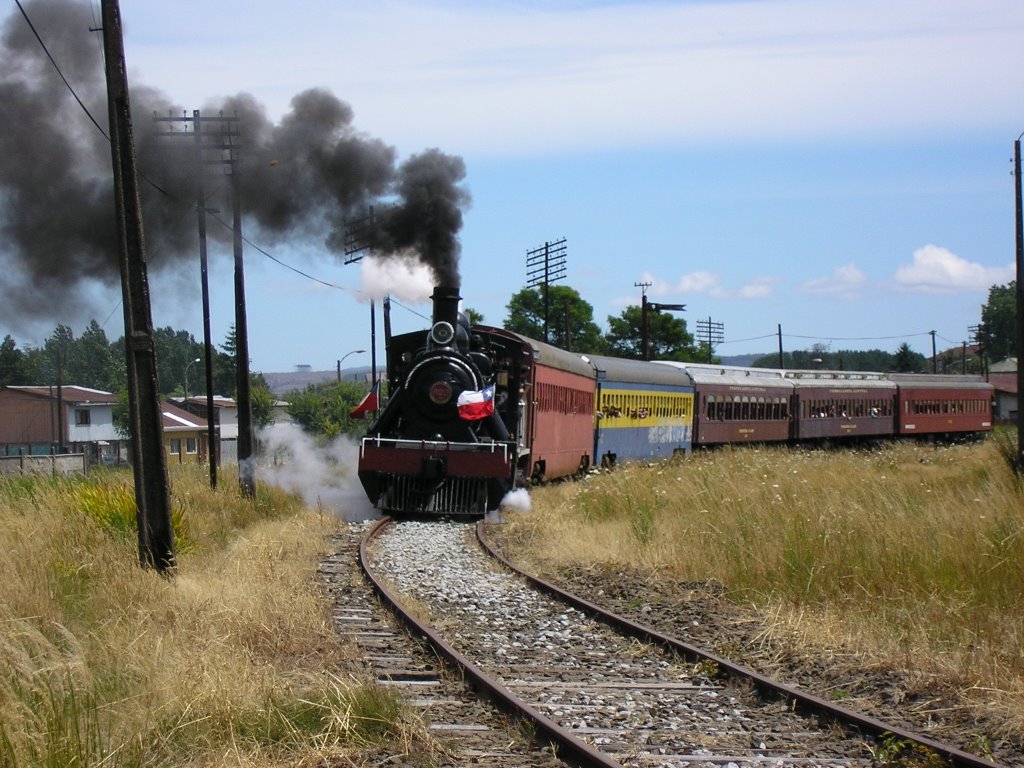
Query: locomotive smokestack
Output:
(446,305)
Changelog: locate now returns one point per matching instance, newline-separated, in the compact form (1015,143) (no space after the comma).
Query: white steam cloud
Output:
(325,476)
(403,276)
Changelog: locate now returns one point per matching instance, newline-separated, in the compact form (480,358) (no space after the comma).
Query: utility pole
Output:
(935,356)
(221,147)
(782,357)
(714,333)
(202,146)
(650,306)
(360,236)
(645,346)
(246,435)
(1019,231)
(544,265)
(149,462)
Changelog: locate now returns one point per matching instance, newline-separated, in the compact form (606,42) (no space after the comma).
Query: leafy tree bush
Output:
(323,409)
(570,324)
(667,336)
(997,333)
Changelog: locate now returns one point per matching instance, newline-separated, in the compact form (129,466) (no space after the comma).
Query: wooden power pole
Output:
(149,462)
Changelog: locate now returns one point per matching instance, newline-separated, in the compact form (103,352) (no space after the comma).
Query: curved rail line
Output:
(807,702)
(573,749)
(568,746)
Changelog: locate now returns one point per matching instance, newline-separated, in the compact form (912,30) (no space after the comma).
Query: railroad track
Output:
(604,690)
(463,729)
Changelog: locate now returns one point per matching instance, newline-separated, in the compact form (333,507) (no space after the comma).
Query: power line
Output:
(59,72)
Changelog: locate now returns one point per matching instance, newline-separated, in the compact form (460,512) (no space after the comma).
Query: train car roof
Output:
(551,356)
(938,381)
(731,375)
(839,379)
(612,369)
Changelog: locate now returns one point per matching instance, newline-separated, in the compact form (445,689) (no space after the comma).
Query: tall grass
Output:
(232,661)
(911,554)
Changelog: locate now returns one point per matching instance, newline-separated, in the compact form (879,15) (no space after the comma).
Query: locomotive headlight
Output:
(440,391)
(442,333)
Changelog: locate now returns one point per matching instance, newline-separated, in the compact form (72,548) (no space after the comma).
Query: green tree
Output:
(908,361)
(997,333)
(262,400)
(323,409)
(225,379)
(667,336)
(570,324)
(96,361)
(14,365)
(175,350)
(474,317)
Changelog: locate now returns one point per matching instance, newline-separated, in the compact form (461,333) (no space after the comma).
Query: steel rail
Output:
(567,747)
(807,702)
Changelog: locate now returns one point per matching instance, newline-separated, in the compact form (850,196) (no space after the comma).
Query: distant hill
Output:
(299,379)
(743,360)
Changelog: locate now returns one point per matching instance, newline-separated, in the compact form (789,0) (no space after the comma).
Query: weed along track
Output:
(604,690)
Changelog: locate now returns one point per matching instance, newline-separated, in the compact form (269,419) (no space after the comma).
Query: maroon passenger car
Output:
(933,404)
(738,405)
(841,404)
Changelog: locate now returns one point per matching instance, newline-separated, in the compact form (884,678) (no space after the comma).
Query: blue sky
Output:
(842,169)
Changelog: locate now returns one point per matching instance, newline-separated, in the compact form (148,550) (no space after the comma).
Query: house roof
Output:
(176,419)
(219,401)
(1004,382)
(70,393)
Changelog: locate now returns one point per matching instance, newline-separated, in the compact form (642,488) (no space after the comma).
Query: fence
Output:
(61,464)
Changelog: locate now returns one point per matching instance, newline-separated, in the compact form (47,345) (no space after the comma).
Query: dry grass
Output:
(232,662)
(909,555)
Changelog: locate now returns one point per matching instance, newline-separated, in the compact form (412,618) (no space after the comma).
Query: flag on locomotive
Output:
(474,406)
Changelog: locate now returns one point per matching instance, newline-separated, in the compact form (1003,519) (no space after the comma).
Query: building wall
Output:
(185,446)
(25,419)
(100,426)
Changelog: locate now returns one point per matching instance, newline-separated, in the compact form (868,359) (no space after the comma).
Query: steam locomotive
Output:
(476,411)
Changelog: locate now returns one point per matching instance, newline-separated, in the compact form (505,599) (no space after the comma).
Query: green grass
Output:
(906,552)
(231,662)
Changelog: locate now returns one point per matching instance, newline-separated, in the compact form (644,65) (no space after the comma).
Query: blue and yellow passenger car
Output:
(642,411)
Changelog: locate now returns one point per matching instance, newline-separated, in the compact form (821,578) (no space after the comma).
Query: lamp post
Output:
(353,352)
(186,374)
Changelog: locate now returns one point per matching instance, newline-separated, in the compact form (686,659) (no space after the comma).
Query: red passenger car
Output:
(560,414)
(932,404)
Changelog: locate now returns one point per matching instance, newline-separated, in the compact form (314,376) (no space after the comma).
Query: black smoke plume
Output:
(302,178)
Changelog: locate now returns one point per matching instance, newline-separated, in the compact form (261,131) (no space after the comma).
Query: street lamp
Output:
(186,374)
(353,352)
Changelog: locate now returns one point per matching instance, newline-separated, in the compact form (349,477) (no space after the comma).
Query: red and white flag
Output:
(474,406)
(369,403)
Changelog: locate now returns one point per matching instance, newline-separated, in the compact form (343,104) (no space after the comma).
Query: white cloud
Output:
(702,284)
(846,282)
(758,288)
(504,76)
(939,270)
